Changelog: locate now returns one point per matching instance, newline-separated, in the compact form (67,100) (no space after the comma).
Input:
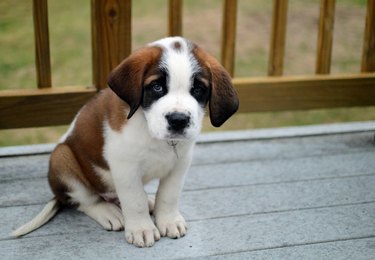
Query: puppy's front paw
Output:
(171,225)
(142,235)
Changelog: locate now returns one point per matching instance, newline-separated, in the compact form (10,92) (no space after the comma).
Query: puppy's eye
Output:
(198,89)
(157,87)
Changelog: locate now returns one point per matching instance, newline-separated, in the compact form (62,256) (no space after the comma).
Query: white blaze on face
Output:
(180,66)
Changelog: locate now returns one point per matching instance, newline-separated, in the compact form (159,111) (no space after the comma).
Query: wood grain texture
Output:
(244,206)
(175,18)
(298,93)
(277,43)
(325,37)
(42,50)
(41,107)
(228,40)
(111,43)
(368,54)
(111,37)
(56,106)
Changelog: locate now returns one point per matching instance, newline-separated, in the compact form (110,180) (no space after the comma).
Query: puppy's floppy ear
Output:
(126,80)
(223,101)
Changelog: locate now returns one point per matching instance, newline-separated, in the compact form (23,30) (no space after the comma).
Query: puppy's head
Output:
(172,80)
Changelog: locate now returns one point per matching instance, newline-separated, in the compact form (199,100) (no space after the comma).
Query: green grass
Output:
(16,41)
(70,43)
(353,2)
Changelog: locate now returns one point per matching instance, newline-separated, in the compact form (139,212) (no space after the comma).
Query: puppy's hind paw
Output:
(106,214)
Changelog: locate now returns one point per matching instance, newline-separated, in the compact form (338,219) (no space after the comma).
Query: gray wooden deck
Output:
(295,193)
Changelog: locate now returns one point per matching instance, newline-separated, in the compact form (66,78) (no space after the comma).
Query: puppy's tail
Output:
(48,212)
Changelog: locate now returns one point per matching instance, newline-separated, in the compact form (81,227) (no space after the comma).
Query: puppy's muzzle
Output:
(177,122)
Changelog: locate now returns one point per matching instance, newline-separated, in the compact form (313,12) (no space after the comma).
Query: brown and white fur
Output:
(141,128)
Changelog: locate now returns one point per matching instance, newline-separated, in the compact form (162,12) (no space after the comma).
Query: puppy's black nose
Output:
(177,121)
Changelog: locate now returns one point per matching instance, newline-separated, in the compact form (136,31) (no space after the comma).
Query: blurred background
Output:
(70,42)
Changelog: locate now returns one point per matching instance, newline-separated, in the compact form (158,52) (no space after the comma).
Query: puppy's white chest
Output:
(133,149)
(157,163)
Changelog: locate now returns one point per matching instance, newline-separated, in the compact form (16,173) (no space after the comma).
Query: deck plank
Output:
(288,197)
(223,152)
(347,249)
(240,151)
(17,191)
(237,201)
(236,234)
(31,167)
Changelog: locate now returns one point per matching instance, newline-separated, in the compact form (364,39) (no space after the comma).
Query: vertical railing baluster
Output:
(325,37)
(278,33)
(111,37)
(42,50)
(368,53)
(228,42)
(175,18)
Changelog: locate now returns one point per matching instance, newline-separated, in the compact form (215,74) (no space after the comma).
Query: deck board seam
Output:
(237,186)
(227,161)
(369,151)
(230,136)
(281,247)
(96,230)
(286,211)
(22,179)
(279,158)
(281,137)
(288,132)
(271,212)
(281,182)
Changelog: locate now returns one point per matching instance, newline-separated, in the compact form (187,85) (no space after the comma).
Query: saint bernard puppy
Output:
(141,128)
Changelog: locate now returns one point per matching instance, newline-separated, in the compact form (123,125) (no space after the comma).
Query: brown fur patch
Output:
(63,165)
(83,149)
(86,141)
(177,46)
(126,80)
(224,100)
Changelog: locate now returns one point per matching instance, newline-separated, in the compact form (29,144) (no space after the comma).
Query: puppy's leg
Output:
(105,213)
(69,186)
(168,218)
(139,228)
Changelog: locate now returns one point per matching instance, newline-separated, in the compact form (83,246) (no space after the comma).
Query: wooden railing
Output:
(111,42)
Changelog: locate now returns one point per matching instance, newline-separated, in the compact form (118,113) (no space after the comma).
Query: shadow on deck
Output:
(292,193)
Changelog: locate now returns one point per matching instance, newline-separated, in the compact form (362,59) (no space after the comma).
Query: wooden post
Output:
(325,37)
(277,44)
(175,18)
(228,40)
(368,54)
(42,51)
(111,37)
